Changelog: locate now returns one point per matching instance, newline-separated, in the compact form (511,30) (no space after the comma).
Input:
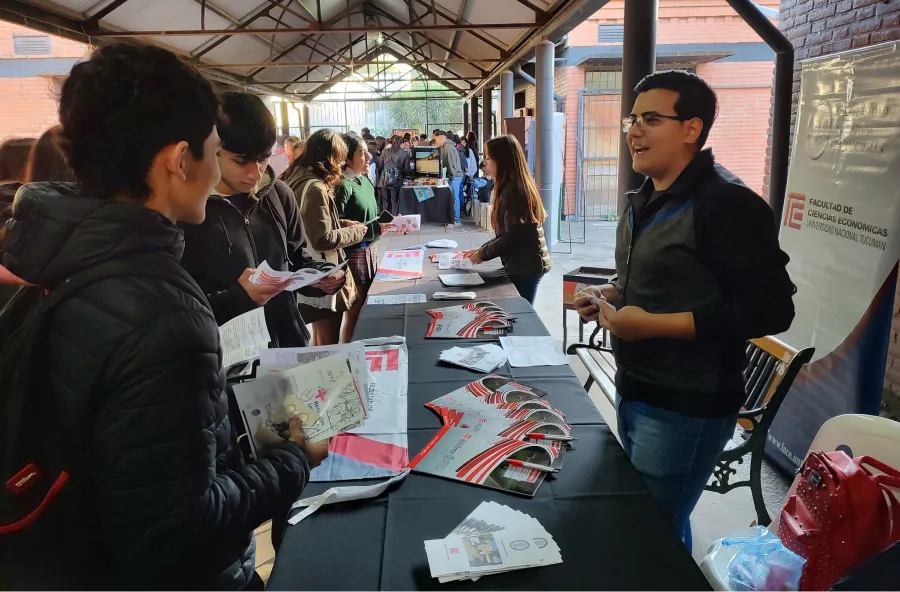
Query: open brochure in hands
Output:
(492,539)
(323,393)
(301,278)
(406,223)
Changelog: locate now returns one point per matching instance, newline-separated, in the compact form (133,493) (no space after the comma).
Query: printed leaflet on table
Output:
(380,447)
(487,436)
(472,320)
(527,352)
(455,280)
(492,539)
(484,460)
(481,358)
(396,299)
(454,296)
(442,243)
(401,265)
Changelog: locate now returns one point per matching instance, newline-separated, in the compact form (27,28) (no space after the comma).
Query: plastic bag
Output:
(763,562)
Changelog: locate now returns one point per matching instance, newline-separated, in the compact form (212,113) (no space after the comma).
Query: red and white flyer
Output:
(401,265)
(461,455)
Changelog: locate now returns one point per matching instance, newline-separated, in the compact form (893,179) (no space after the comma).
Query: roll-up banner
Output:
(841,228)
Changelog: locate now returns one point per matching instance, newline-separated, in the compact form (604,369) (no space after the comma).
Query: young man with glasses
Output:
(251,217)
(700,272)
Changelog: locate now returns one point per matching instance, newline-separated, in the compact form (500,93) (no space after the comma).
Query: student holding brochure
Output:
(517,217)
(251,218)
(131,384)
(314,178)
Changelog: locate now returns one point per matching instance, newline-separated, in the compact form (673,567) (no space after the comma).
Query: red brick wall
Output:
(740,134)
(679,21)
(739,137)
(28,106)
(821,27)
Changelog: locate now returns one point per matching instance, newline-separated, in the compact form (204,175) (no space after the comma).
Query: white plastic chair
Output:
(857,435)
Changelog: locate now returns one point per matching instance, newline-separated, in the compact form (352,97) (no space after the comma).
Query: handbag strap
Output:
(891,476)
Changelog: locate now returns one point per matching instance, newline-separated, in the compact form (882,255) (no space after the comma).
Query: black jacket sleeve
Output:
(164,497)
(507,238)
(230,303)
(738,240)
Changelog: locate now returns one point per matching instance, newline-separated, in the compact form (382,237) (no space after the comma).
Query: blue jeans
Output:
(674,453)
(527,285)
(456,189)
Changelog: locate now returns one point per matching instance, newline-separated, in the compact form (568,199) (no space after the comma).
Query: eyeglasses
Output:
(648,120)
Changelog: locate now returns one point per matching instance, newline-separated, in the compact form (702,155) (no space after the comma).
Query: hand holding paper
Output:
(290,280)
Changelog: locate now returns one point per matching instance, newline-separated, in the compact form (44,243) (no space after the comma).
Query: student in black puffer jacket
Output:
(158,496)
(517,216)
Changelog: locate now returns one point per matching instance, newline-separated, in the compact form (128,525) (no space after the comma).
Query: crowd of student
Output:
(174,203)
(149,207)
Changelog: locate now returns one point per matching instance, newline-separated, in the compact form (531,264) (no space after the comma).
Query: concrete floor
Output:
(716,515)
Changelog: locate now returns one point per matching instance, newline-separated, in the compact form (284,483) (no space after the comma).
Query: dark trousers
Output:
(527,285)
(392,203)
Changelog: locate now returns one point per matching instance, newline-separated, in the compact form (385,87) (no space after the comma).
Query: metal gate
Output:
(599,133)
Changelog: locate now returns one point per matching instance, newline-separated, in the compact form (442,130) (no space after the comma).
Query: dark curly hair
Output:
(122,107)
(325,156)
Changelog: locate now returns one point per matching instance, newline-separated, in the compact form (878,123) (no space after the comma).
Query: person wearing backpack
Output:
(251,217)
(394,167)
(113,389)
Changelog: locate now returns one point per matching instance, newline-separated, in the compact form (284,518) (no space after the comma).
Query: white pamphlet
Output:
(452,261)
(492,539)
(442,243)
(461,279)
(396,299)
(301,278)
(342,494)
(243,337)
(524,352)
(481,358)
(454,295)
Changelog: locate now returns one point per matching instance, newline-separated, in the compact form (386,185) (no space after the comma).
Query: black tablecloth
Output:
(610,531)
(436,209)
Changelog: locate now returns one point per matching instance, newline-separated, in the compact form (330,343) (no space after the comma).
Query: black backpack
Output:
(33,464)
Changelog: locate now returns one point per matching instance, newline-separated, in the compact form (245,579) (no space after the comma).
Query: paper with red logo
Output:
(473,320)
(379,448)
(401,265)
(461,455)
(503,427)
(323,393)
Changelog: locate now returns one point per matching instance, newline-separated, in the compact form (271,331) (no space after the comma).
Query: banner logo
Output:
(793,211)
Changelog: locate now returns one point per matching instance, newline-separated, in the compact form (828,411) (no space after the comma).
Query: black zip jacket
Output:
(707,245)
(217,252)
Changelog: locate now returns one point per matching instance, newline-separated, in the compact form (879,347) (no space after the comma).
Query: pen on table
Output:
(537,436)
(527,465)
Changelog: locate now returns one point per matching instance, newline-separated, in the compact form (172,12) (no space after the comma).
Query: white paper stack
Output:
(442,243)
(493,539)
(481,358)
(461,279)
(454,295)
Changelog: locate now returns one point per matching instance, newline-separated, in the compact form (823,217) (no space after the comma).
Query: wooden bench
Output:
(769,371)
